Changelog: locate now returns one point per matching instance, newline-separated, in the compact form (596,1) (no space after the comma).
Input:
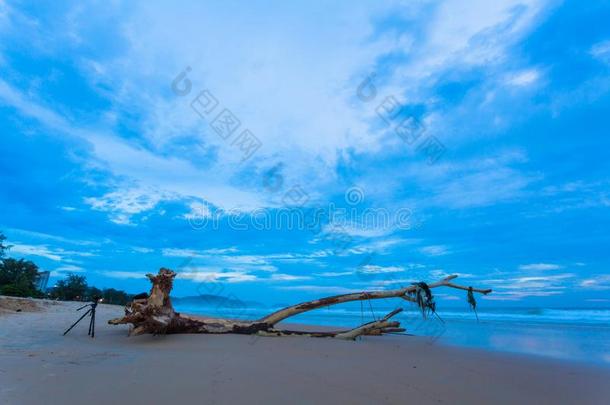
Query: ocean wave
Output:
(341,315)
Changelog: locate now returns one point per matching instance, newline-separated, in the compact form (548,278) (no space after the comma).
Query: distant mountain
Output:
(215,301)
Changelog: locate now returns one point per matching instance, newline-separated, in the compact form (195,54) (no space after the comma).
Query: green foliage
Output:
(17,278)
(117,297)
(3,247)
(93,293)
(74,287)
(14,290)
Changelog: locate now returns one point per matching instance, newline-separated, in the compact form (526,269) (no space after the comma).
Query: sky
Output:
(283,151)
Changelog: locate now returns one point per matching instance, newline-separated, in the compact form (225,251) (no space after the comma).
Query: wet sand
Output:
(40,366)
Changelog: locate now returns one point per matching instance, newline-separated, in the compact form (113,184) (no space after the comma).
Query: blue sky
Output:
(112,166)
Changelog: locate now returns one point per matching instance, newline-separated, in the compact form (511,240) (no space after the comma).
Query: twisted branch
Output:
(403,293)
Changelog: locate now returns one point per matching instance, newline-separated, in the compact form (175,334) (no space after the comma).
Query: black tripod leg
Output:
(74,324)
(92,324)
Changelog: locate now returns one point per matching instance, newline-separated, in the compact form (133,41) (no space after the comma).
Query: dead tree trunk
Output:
(156,314)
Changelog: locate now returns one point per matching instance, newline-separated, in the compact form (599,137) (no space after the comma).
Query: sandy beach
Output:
(39,365)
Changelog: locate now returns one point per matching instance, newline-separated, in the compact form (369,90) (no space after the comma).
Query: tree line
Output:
(18,279)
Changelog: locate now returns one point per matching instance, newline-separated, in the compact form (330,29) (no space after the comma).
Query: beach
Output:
(39,365)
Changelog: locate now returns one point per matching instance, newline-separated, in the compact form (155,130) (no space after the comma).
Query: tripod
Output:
(91,312)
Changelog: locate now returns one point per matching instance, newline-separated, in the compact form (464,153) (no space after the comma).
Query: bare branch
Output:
(461,287)
(403,293)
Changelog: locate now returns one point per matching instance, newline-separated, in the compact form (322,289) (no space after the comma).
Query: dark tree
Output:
(74,287)
(93,293)
(3,247)
(18,277)
(117,297)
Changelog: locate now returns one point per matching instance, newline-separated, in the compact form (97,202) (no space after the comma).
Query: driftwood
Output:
(155,314)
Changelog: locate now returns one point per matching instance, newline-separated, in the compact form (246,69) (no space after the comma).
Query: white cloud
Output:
(474,34)
(139,249)
(214,276)
(355,229)
(213,258)
(569,187)
(519,295)
(374,269)
(288,277)
(391,283)
(324,289)
(517,288)
(228,257)
(476,182)
(152,177)
(70,268)
(220,251)
(334,274)
(381,246)
(54,238)
(449,297)
(122,204)
(540,266)
(435,250)
(4,15)
(601,51)
(600,282)
(524,78)
(254,64)
(199,211)
(63,270)
(543,280)
(440,274)
(124,274)
(304,110)
(577,195)
(484,183)
(51,253)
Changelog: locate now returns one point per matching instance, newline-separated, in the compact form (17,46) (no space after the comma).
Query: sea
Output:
(573,334)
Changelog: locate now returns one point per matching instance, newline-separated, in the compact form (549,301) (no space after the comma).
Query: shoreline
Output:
(45,303)
(42,304)
(36,362)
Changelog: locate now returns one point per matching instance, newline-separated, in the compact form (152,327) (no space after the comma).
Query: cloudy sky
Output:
(278,151)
